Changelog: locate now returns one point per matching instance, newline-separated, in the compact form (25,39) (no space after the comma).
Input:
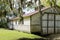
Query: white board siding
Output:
(24,28)
(13,24)
(20,27)
(27,21)
(16,24)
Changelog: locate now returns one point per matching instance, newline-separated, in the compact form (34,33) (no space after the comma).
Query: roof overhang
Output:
(35,12)
(50,10)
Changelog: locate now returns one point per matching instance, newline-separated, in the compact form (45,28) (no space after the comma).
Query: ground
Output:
(6,34)
(53,37)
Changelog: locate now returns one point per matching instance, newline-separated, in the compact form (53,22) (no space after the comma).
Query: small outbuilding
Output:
(50,22)
(32,22)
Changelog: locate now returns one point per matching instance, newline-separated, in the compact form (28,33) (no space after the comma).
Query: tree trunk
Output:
(20,11)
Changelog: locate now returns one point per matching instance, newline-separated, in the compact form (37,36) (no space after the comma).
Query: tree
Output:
(3,11)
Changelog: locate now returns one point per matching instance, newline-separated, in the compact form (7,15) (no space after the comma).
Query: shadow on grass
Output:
(32,39)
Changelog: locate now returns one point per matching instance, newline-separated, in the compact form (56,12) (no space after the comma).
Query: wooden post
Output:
(54,17)
(54,24)
(47,23)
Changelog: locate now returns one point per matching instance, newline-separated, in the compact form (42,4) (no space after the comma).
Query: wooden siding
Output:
(26,20)
(35,23)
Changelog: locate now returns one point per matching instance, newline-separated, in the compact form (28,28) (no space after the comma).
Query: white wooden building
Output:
(32,22)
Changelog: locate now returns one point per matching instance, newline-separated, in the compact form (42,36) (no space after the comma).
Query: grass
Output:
(14,35)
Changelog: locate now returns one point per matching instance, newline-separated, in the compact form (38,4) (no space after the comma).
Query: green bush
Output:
(3,23)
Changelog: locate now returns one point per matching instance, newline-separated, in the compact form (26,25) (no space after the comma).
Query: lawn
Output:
(15,35)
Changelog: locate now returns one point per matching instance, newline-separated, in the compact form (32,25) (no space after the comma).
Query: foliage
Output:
(47,2)
(58,2)
(3,23)
(4,8)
